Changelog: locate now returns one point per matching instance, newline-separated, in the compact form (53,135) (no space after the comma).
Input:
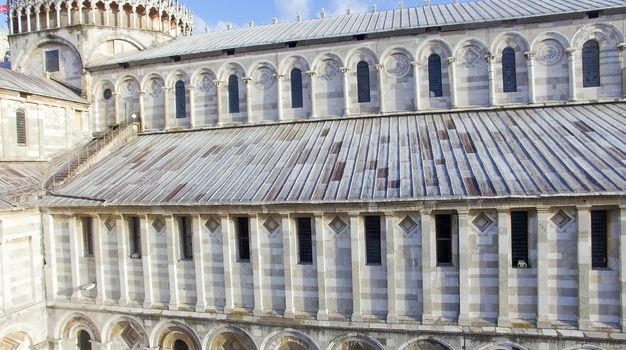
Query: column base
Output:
(228,310)
(257,312)
(289,314)
(356,317)
(201,308)
(322,315)
(544,323)
(504,322)
(585,325)
(427,319)
(464,320)
(172,307)
(392,318)
(148,305)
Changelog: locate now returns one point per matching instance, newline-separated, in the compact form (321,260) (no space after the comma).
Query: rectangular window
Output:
(134,236)
(20,127)
(443,230)
(52,61)
(372,240)
(243,238)
(186,246)
(87,228)
(519,239)
(305,241)
(599,239)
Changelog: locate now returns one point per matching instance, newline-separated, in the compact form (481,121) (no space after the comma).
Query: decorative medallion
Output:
(132,88)
(155,89)
(561,219)
(471,56)
(338,225)
(550,52)
(205,83)
(408,225)
(398,65)
(109,223)
(330,68)
(271,225)
(482,222)
(264,78)
(212,224)
(158,224)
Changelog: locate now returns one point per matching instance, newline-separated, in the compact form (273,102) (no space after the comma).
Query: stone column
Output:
(257,263)
(543,251)
(622,266)
(492,80)
(171,231)
(5,301)
(166,107)
(228,246)
(68,6)
(107,12)
(584,265)
(199,261)
(311,75)
(93,12)
(416,73)
(218,98)
(428,250)
(134,14)
(142,110)
(19,19)
(571,59)
(357,247)
(120,11)
(381,91)
(28,9)
(57,7)
(123,253)
(11,14)
(466,252)
(80,11)
(279,78)
(192,106)
(530,65)
(75,255)
(321,246)
(289,247)
(504,264)
(346,90)
(47,16)
(392,250)
(98,242)
(116,101)
(248,82)
(146,259)
(452,79)
(38,18)
(622,53)
(51,268)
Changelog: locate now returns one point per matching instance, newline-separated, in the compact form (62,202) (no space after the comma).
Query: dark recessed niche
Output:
(175,58)
(360,37)
(229,52)
(593,14)
(292,44)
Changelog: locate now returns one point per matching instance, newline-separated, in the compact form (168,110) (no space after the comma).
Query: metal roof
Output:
(16,81)
(458,13)
(529,152)
(20,182)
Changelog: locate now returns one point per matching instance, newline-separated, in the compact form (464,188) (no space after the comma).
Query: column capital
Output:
(279,76)
(379,67)
(416,63)
(462,212)
(191,87)
(344,70)
(571,51)
(310,73)
(218,82)
(142,93)
(542,209)
(621,46)
(247,80)
(529,55)
(352,214)
(489,57)
(451,60)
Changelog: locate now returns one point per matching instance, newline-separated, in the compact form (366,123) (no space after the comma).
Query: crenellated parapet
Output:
(167,16)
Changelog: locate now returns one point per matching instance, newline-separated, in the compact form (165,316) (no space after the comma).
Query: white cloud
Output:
(287,9)
(219,26)
(355,6)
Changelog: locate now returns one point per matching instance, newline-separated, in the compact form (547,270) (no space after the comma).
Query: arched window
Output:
(20,126)
(509,72)
(363,81)
(233,94)
(83,340)
(435,85)
(296,88)
(591,64)
(180,345)
(181,100)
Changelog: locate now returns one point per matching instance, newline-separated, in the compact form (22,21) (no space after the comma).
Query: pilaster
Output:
(428,250)
(51,267)
(146,257)
(5,300)
(101,262)
(218,98)
(142,110)
(466,251)
(192,106)
(571,59)
(622,53)
(75,255)
(116,100)
(172,259)
(166,107)
(504,264)
(321,245)
(257,266)
(279,86)
(622,266)
(530,60)
(492,81)
(543,251)
(123,253)
(584,265)
(392,250)
(200,262)
(357,254)
(228,245)
(346,90)
(248,82)
(452,78)
(289,248)
(311,75)
(380,69)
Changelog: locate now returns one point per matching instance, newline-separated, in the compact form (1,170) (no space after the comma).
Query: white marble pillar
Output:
(543,252)
(99,233)
(166,107)
(571,60)
(321,246)
(218,99)
(584,265)
(622,266)
(146,259)
(257,261)
(123,254)
(380,69)
(504,264)
(192,106)
(80,11)
(11,14)
(392,250)
(142,110)
(492,78)
(452,79)
(38,18)
(345,72)
(171,231)
(93,12)
(248,82)
(466,252)
(530,66)
(107,13)
(135,15)
(68,6)
(311,75)
(416,81)
(289,248)
(57,7)
(19,19)
(428,253)
(28,10)
(118,112)
(281,105)
(228,253)
(75,257)
(622,55)
(357,247)
(51,268)
(199,260)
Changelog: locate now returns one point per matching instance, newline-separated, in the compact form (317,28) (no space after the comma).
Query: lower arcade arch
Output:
(15,341)
(355,342)
(426,344)
(230,338)
(289,340)
(176,336)
(126,333)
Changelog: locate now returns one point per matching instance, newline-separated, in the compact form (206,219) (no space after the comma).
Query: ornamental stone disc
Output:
(264,78)
(398,65)
(205,83)
(550,52)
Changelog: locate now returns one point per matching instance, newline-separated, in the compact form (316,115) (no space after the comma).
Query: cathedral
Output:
(435,177)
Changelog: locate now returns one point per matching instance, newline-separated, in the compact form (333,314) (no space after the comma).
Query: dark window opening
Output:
(83,340)
(185,236)
(591,64)
(296,88)
(243,238)
(519,239)
(180,345)
(230,52)
(360,37)
(20,127)
(305,241)
(107,94)
(87,228)
(292,44)
(443,230)
(52,61)
(134,237)
(509,70)
(435,85)
(599,239)
(363,81)
(593,14)
(233,94)
(181,100)
(372,240)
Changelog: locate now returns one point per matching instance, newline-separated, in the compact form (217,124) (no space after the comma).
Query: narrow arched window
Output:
(435,85)
(83,340)
(233,94)
(20,127)
(363,81)
(509,72)
(591,64)
(180,345)
(296,88)
(181,100)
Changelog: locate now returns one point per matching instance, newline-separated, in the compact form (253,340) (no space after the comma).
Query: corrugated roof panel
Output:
(16,81)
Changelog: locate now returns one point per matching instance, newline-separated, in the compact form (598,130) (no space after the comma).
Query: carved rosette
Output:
(398,65)
(550,52)
(264,78)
